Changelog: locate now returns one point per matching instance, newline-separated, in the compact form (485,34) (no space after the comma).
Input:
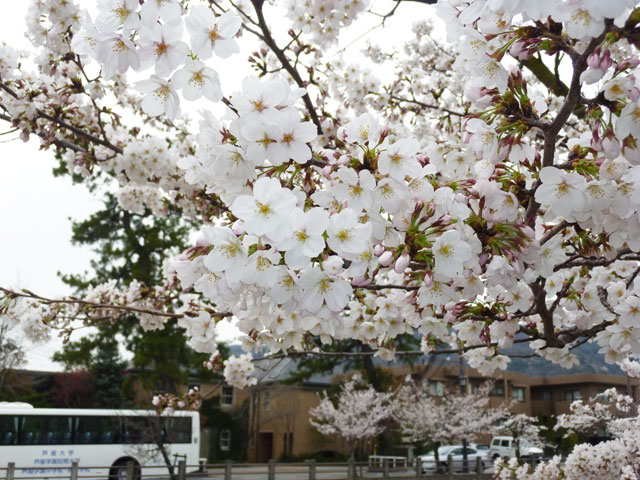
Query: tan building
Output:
(535,395)
(277,415)
(553,395)
(279,419)
(279,423)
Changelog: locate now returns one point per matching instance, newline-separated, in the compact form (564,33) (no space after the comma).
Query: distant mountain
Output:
(590,362)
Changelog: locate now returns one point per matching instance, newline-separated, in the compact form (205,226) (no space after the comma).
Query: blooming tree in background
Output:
(594,417)
(483,193)
(524,430)
(356,416)
(617,458)
(449,419)
(446,419)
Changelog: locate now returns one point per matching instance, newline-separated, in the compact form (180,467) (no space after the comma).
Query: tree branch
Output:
(279,53)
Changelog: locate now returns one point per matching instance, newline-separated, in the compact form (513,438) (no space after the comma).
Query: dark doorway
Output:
(265,447)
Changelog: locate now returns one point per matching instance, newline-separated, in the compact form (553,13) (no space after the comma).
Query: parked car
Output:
(456,451)
(504,447)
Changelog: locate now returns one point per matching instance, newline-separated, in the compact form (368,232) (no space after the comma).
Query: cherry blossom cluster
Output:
(239,371)
(127,36)
(631,368)
(323,20)
(167,404)
(484,197)
(38,316)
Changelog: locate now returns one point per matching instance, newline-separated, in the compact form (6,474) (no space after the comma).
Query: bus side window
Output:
(87,430)
(8,429)
(33,430)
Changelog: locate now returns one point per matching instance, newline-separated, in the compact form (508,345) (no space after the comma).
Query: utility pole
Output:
(462,380)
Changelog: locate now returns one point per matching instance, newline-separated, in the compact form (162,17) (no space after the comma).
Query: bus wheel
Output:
(118,470)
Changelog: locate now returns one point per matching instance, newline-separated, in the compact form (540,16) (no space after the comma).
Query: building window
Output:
(498,390)
(225,439)
(572,395)
(266,400)
(436,388)
(546,395)
(226,397)
(517,393)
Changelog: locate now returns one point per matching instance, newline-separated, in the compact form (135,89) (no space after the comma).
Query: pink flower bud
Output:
(528,231)
(605,60)
(378,250)
(450,306)
(238,227)
(384,131)
(326,171)
(428,280)
(482,258)
(610,147)
(402,262)
(593,60)
(629,63)
(517,48)
(361,281)
(422,158)
(385,258)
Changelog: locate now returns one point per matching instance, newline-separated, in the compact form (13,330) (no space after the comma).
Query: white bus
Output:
(44,442)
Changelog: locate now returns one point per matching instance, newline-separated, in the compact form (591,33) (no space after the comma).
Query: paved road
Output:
(323,472)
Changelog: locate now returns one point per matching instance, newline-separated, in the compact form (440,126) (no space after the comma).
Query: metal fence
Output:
(380,467)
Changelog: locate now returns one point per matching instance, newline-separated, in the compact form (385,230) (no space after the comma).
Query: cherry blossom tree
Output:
(593,417)
(357,414)
(483,192)
(616,458)
(523,429)
(424,418)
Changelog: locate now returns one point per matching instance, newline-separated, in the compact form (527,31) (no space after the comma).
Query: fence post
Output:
(74,470)
(450,465)
(130,470)
(385,468)
(533,461)
(11,468)
(418,467)
(351,469)
(272,469)
(312,469)
(182,470)
(227,469)
(479,467)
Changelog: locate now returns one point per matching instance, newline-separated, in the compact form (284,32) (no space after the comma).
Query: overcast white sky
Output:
(35,207)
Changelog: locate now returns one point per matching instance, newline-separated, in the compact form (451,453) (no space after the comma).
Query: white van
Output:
(504,447)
